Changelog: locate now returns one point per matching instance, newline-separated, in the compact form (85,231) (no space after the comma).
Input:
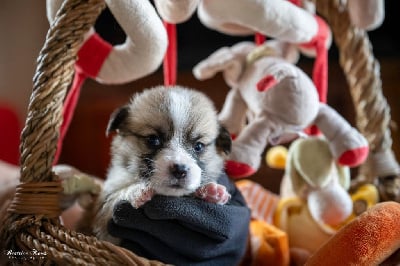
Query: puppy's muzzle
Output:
(179,171)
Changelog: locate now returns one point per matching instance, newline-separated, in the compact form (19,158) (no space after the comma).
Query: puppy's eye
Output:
(199,147)
(153,141)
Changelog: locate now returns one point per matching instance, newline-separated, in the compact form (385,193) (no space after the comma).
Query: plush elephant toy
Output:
(278,100)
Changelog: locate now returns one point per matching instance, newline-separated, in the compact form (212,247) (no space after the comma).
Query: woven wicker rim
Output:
(31,227)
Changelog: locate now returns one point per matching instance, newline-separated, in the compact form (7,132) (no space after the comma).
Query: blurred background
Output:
(23,26)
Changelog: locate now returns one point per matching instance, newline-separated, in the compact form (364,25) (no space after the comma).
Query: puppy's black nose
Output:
(179,170)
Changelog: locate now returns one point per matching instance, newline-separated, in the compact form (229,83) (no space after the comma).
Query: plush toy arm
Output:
(348,146)
(176,11)
(216,62)
(233,112)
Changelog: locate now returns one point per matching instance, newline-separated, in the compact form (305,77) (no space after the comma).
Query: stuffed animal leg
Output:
(250,142)
(348,146)
(233,113)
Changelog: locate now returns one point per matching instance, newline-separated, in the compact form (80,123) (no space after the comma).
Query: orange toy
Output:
(368,240)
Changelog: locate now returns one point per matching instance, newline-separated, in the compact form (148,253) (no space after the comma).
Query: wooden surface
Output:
(87,148)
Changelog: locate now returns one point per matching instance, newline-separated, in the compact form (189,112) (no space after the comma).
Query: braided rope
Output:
(362,71)
(54,72)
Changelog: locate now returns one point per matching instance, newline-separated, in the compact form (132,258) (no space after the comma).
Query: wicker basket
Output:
(32,222)
(32,229)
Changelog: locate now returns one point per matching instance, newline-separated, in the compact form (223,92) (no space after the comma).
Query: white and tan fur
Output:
(168,141)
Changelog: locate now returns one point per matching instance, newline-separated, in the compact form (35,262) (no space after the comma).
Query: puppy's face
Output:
(169,138)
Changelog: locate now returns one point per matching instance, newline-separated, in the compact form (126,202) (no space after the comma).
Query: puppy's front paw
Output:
(145,196)
(214,193)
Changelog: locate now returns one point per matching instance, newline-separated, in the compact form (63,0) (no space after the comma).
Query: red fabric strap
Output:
(296,2)
(170,59)
(320,69)
(91,57)
(10,131)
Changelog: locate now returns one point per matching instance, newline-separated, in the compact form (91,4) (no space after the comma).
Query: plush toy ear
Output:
(229,61)
(314,161)
(117,118)
(224,141)
(297,183)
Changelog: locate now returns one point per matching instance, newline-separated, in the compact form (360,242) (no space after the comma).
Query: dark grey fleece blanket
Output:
(185,230)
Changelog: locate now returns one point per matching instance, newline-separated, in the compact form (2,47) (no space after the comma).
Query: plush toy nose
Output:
(179,171)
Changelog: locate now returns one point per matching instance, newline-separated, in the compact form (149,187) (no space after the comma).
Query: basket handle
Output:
(54,72)
(362,71)
(39,190)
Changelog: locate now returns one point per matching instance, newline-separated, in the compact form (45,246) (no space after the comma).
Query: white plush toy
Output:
(141,53)
(282,101)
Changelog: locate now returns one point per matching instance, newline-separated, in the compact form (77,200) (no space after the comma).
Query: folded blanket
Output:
(185,230)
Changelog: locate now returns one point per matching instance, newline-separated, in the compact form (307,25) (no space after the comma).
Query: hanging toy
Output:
(282,102)
(140,54)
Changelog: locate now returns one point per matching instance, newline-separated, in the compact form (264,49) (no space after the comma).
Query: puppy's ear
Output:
(116,119)
(224,141)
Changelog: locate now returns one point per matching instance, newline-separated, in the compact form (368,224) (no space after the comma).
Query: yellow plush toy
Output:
(315,201)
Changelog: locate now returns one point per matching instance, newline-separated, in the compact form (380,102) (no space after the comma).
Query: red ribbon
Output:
(91,57)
